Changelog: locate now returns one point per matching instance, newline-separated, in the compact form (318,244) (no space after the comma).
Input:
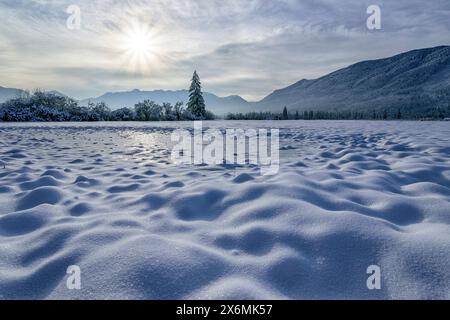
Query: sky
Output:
(243,47)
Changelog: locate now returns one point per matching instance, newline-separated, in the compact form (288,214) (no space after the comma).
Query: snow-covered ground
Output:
(107,198)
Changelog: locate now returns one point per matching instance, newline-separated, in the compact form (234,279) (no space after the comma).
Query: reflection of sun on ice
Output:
(139,46)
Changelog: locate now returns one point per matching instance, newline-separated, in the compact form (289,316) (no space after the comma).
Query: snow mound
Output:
(106,197)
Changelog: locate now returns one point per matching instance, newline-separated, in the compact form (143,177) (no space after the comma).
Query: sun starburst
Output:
(139,47)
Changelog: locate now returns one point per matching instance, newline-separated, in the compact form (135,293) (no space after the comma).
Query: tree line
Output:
(44,106)
(437,113)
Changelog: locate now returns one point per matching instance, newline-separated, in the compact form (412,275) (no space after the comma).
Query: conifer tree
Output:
(196,104)
(285,114)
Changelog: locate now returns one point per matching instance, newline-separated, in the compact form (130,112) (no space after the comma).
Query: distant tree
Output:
(285,114)
(305,115)
(297,116)
(178,111)
(99,112)
(148,111)
(124,114)
(385,114)
(439,113)
(196,104)
(168,114)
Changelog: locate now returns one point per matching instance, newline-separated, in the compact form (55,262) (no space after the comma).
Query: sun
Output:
(139,43)
(139,47)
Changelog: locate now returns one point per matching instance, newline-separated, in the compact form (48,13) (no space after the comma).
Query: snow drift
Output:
(106,197)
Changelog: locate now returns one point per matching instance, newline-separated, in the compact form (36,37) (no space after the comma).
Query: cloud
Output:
(246,47)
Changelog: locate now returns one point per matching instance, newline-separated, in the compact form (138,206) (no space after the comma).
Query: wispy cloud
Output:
(246,47)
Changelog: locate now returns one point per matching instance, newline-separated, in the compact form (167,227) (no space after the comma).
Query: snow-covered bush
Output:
(40,106)
(123,114)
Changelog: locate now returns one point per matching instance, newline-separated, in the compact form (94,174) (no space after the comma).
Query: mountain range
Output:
(10,93)
(218,105)
(411,82)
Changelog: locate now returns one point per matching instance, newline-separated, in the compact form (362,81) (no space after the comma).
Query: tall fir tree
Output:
(196,104)
(285,114)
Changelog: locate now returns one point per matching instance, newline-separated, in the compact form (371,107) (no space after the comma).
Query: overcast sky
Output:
(245,47)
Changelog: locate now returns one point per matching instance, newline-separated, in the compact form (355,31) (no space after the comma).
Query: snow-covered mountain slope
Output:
(410,81)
